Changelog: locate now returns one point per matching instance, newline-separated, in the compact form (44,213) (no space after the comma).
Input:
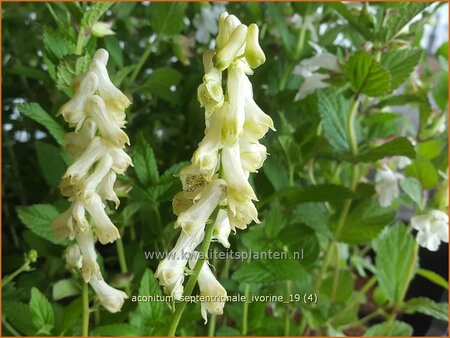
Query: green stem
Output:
(287,319)
(141,62)
(212,326)
(300,42)
(122,261)
(9,278)
(86,310)
(192,279)
(80,42)
(9,327)
(351,126)
(245,309)
(336,274)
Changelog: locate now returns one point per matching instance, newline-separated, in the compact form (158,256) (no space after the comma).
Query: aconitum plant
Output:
(224,169)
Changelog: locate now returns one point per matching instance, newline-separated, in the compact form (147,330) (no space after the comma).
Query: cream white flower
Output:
(217,178)
(387,185)
(222,228)
(194,219)
(211,289)
(432,229)
(112,299)
(96,111)
(73,257)
(170,271)
(206,22)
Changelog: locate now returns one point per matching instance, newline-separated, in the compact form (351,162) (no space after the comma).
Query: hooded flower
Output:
(210,288)
(432,229)
(96,111)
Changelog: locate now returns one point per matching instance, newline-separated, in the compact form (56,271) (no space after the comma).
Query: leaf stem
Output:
(287,319)
(122,261)
(86,311)
(192,279)
(141,62)
(212,325)
(9,278)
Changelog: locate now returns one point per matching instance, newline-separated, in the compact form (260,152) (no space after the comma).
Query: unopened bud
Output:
(253,52)
(226,55)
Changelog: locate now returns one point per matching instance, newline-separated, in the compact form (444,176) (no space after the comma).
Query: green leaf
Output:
(367,75)
(70,67)
(42,314)
(145,162)
(413,189)
(166,18)
(57,44)
(433,277)
(396,329)
(314,215)
(287,38)
(400,63)
(400,18)
(333,109)
(51,162)
(273,222)
(92,14)
(151,311)
(315,193)
(427,307)
(440,90)
(395,261)
(269,271)
(345,287)
(160,82)
(65,288)
(365,222)
(301,242)
(18,315)
(430,149)
(114,50)
(276,173)
(424,171)
(37,218)
(35,112)
(71,315)
(352,19)
(122,329)
(398,147)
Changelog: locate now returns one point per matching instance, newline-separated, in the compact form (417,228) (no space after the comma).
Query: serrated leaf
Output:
(167,18)
(35,112)
(92,14)
(269,271)
(396,329)
(367,75)
(18,315)
(51,163)
(57,44)
(333,109)
(398,147)
(68,69)
(121,329)
(424,171)
(399,19)
(273,222)
(37,218)
(151,311)
(42,314)
(428,307)
(413,189)
(395,261)
(400,63)
(353,20)
(365,222)
(145,162)
(314,215)
(160,82)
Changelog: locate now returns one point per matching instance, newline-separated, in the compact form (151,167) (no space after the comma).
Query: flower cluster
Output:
(97,112)
(217,178)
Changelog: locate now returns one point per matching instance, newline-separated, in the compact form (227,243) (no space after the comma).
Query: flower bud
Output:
(101,29)
(228,53)
(253,52)
(73,257)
